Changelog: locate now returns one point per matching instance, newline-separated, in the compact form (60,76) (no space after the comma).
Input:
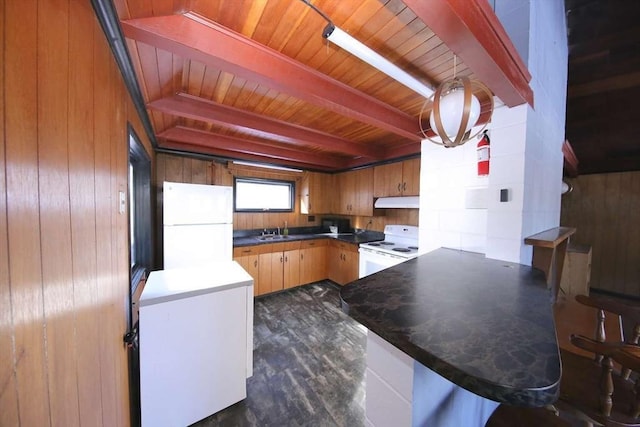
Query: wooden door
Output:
(411,177)
(318,269)
(251,263)
(387,180)
(334,262)
(363,193)
(313,263)
(346,189)
(350,266)
(277,271)
(264,274)
(291,268)
(305,197)
(318,190)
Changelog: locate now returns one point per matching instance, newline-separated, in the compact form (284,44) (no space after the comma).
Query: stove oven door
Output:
(372,261)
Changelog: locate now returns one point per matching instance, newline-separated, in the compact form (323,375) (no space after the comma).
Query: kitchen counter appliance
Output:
(400,244)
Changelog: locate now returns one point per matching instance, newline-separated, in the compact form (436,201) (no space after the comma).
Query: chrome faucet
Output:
(278,231)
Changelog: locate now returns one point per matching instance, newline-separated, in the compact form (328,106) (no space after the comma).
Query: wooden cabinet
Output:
(313,260)
(274,266)
(342,262)
(354,191)
(576,271)
(249,258)
(271,272)
(291,268)
(314,189)
(397,179)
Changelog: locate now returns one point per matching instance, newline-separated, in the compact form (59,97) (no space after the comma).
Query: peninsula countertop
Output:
(485,325)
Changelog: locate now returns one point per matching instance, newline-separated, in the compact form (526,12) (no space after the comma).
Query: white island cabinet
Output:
(196,342)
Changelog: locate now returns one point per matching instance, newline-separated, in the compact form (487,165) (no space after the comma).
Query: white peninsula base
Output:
(402,392)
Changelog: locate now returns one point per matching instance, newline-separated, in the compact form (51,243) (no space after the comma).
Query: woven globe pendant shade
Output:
(456,110)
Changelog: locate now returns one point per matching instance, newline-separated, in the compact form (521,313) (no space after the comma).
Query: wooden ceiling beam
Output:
(473,32)
(267,151)
(604,85)
(219,47)
(193,107)
(172,147)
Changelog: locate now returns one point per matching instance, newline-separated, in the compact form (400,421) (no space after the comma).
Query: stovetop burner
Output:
(415,248)
(373,244)
(401,250)
(387,243)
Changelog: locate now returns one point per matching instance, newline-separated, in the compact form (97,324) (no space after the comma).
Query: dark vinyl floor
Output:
(309,363)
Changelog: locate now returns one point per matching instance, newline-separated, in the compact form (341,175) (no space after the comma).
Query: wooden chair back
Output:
(601,388)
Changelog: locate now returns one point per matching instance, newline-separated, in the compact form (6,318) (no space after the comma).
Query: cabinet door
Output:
(350,267)
(318,186)
(346,186)
(305,197)
(251,263)
(313,264)
(271,272)
(291,268)
(411,177)
(319,264)
(264,274)
(363,195)
(277,271)
(387,180)
(334,262)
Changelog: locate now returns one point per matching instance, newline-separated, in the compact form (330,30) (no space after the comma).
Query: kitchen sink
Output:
(277,237)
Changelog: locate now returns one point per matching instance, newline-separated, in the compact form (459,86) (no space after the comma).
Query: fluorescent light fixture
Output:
(265,166)
(356,48)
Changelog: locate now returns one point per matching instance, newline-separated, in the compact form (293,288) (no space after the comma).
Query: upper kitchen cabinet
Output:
(397,179)
(313,193)
(354,192)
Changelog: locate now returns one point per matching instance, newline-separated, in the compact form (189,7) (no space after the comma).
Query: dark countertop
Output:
(356,238)
(485,325)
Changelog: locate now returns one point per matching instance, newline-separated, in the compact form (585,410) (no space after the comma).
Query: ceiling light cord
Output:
(318,11)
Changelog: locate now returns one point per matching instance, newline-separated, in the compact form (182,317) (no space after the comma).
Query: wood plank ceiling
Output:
(604,84)
(255,80)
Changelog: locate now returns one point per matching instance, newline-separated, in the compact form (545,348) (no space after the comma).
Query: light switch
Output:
(504,195)
(123,202)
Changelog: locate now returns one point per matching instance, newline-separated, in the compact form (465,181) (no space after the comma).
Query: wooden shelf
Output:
(549,250)
(550,238)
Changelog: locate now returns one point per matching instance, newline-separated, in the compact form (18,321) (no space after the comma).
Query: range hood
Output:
(409,202)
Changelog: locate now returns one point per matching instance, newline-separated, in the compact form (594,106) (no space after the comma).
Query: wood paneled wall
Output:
(199,171)
(605,209)
(64,251)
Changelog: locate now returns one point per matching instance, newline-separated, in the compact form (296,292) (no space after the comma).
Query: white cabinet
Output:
(196,342)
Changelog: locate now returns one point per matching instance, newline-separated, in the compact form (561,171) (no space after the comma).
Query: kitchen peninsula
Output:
(453,334)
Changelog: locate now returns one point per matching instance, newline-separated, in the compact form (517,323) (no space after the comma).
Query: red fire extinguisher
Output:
(483,155)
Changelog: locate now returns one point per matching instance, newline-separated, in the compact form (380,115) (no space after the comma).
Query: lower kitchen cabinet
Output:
(313,260)
(285,265)
(249,258)
(271,272)
(291,267)
(342,262)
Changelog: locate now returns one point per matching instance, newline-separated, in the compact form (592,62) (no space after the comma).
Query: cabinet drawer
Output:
(313,243)
(246,250)
(344,246)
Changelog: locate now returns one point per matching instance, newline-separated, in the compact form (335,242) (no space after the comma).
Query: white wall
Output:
(526,154)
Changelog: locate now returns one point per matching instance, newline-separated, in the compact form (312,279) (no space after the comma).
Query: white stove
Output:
(400,244)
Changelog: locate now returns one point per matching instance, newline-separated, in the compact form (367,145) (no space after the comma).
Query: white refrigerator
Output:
(198,224)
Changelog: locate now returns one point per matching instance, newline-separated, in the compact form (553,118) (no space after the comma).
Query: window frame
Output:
(142,215)
(290,184)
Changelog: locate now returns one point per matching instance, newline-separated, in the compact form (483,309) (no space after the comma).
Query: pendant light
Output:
(456,110)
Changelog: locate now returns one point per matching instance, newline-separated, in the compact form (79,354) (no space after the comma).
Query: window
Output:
(258,195)
(140,219)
